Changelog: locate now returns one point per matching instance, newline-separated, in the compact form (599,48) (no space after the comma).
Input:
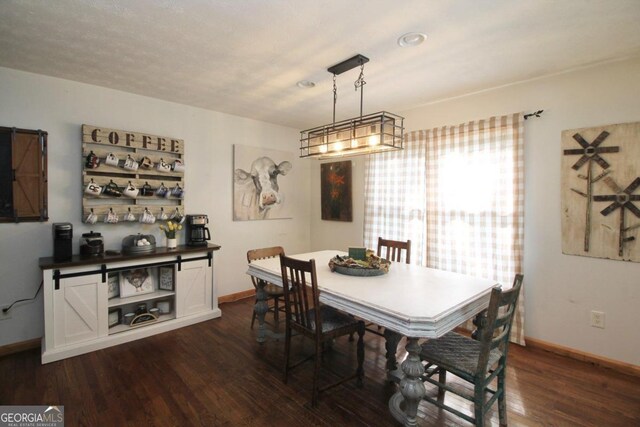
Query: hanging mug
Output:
(177,192)
(130,191)
(163,167)
(130,164)
(177,217)
(146,163)
(147,217)
(111,160)
(178,166)
(163,216)
(92,161)
(112,189)
(146,190)
(93,189)
(111,217)
(162,191)
(91,218)
(129,216)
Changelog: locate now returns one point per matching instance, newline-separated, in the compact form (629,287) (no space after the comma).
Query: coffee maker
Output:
(62,235)
(197,230)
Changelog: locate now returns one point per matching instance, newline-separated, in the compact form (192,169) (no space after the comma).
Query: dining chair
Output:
(477,361)
(321,323)
(393,250)
(274,292)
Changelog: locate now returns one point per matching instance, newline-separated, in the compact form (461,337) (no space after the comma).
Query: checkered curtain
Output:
(473,203)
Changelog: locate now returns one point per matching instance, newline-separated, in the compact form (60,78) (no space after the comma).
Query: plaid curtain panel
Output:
(472,211)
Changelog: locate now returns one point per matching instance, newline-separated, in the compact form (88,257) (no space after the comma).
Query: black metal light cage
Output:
(371,133)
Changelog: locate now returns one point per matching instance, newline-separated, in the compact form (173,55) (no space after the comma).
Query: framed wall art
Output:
(165,278)
(601,192)
(113,289)
(262,183)
(134,282)
(335,191)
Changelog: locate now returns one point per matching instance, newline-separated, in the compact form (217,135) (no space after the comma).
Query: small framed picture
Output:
(114,286)
(165,278)
(114,317)
(164,306)
(134,282)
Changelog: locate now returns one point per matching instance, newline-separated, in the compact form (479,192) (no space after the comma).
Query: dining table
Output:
(408,301)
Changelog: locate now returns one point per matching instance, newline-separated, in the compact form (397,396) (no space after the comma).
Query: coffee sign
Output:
(128,139)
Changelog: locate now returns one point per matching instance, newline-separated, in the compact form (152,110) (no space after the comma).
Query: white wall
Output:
(60,107)
(560,290)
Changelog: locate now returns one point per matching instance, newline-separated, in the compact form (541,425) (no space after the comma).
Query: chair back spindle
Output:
(393,250)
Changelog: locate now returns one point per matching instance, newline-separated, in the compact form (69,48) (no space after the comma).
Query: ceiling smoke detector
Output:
(411,39)
(305,84)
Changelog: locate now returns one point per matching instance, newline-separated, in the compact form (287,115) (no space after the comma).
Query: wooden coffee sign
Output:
(128,139)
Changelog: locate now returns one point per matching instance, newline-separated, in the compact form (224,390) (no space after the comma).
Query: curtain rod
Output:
(536,114)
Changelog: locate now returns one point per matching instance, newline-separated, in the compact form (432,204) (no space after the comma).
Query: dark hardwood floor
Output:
(215,374)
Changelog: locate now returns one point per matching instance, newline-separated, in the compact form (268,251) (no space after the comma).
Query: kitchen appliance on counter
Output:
(91,244)
(62,235)
(197,230)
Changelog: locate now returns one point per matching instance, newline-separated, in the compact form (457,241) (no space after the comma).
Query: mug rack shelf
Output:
(160,189)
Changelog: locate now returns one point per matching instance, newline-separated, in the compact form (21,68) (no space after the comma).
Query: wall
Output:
(560,290)
(60,107)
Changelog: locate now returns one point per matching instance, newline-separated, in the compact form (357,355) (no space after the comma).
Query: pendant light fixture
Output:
(366,134)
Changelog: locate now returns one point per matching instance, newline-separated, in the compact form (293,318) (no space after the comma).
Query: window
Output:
(23,175)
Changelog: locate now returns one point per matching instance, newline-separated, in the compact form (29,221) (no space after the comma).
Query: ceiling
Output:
(244,57)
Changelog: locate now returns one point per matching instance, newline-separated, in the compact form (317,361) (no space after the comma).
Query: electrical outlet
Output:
(3,315)
(597,319)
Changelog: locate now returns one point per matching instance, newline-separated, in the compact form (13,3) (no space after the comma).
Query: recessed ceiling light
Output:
(411,39)
(305,84)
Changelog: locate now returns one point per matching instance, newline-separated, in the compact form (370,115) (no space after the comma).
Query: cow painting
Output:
(256,191)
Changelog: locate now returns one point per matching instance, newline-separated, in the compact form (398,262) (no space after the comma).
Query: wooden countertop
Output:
(47,263)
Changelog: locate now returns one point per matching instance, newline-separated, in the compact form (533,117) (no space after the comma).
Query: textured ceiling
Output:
(244,57)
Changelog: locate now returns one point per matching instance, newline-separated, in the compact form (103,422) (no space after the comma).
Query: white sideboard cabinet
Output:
(84,309)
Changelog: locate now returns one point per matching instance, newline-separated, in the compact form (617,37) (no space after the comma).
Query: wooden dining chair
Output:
(274,292)
(393,250)
(306,316)
(477,361)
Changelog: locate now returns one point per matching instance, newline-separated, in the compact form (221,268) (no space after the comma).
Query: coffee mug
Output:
(163,167)
(130,191)
(177,191)
(177,217)
(178,166)
(111,217)
(146,190)
(162,191)
(111,160)
(112,189)
(147,217)
(93,189)
(129,216)
(91,218)
(92,161)
(130,164)
(163,216)
(146,163)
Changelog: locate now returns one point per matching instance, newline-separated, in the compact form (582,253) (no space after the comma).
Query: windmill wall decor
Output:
(588,227)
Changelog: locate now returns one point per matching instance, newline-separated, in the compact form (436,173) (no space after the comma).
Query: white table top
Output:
(411,300)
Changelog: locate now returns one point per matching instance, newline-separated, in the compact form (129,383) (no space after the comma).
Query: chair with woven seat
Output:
(274,292)
(306,316)
(476,361)
(393,250)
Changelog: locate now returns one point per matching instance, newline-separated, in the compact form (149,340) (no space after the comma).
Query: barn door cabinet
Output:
(81,315)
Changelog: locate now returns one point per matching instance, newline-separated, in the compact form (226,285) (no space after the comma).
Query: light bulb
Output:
(354,143)
(374,140)
(323,148)
(338,146)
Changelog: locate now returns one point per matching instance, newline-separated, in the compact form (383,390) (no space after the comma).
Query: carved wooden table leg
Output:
(391,345)
(411,387)
(262,306)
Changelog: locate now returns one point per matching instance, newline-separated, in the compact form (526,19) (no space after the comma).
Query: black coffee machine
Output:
(62,235)
(197,231)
